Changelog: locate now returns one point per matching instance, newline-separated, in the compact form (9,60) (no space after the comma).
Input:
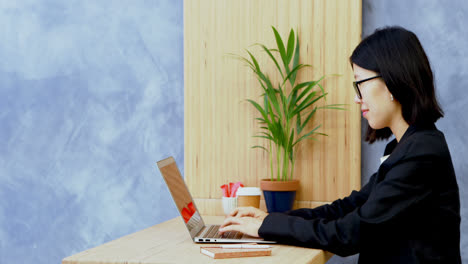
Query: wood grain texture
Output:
(169,242)
(215,207)
(220,124)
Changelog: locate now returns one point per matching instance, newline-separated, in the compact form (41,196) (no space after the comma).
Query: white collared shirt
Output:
(382,159)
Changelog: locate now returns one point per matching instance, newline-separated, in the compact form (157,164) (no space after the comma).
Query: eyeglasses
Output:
(356,85)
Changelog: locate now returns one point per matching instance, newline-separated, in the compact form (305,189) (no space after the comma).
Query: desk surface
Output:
(169,242)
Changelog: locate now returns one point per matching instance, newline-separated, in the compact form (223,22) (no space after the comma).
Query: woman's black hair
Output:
(397,55)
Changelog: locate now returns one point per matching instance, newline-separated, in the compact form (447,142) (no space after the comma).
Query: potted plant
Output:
(285,111)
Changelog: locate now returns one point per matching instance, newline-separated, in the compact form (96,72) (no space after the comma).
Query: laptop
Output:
(199,232)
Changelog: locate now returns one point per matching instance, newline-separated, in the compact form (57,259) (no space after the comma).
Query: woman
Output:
(409,211)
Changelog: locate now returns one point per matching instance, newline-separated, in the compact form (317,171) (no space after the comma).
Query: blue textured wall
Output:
(91,96)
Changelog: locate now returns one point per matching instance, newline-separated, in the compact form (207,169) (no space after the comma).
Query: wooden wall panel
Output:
(219,123)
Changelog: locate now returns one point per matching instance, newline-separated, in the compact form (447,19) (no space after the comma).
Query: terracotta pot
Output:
(279,195)
(280,186)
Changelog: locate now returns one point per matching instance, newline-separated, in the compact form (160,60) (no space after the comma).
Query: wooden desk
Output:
(169,242)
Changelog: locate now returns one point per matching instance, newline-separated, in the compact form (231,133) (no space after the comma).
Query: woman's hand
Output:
(248,211)
(244,219)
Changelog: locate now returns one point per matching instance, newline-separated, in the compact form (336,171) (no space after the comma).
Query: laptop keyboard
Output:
(213,233)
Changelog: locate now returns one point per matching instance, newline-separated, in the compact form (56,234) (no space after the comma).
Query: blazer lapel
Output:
(396,150)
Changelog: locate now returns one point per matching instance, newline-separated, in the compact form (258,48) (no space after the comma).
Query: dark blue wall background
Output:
(91,96)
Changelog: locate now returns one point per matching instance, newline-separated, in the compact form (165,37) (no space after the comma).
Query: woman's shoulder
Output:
(426,141)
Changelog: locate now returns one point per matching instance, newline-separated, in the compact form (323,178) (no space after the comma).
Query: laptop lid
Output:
(181,196)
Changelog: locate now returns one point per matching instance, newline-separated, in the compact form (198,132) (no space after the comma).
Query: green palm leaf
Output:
(295,61)
(272,58)
(334,106)
(307,120)
(259,108)
(297,68)
(281,50)
(290,49)
(261,148)
(307,135)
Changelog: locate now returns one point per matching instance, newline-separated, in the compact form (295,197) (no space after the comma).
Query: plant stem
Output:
(286,149)
(271,162)
(278,161)
(292,165)
(285,164)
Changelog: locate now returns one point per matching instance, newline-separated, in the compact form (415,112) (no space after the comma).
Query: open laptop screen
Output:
(181,195)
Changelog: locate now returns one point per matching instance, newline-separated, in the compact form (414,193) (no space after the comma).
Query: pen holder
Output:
(229,204)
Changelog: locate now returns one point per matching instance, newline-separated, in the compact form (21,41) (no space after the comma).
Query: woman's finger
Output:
(230,221)
(248,211)
(230,228)
(232,224)
(233,212)
(243,211)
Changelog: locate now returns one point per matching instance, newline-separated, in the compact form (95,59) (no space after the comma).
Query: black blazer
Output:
(408,212)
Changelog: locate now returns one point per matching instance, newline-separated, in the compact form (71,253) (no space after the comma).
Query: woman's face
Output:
(376,103)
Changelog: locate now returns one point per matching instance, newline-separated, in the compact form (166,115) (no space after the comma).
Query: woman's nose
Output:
(357,100)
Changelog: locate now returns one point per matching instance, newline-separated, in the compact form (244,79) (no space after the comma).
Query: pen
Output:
(245,246)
